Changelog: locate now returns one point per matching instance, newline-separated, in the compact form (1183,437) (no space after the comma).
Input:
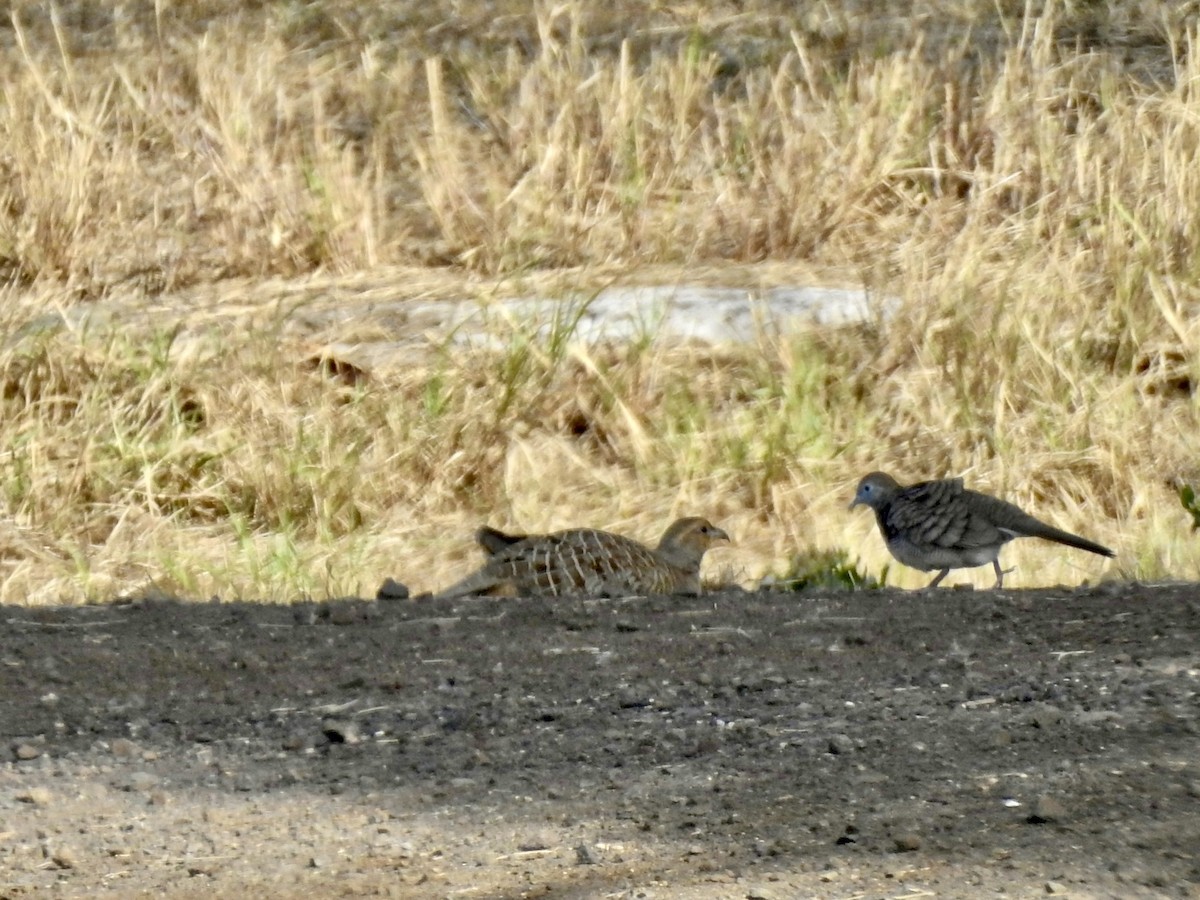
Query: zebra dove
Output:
(587,561)
(942,525)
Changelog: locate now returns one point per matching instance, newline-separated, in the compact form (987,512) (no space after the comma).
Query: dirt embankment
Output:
(882,744)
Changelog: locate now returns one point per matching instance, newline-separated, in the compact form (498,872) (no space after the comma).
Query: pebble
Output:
(1046,809)
(758,892)
(840,743)
(1054,887)
(124,748)
(38,796)
(140,781)
(25,752)
(65,858)
(907,842)
(535,841)
(391,589)
(583,856)
(344,613)
(340,731)
(1046,717)
(305,615)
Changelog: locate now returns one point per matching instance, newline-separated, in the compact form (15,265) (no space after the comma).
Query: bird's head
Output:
(875,490)
(688,539)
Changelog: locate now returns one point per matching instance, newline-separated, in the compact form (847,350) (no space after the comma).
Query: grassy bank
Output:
(190,198)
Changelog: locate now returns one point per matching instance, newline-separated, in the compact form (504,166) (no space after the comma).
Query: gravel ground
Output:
(878,744)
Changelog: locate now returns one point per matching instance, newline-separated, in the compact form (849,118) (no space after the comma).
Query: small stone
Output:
(140,781)
(840,743)
(1046,809)
(758,892)
(124,748)
(1054,887)
(340,731)
(65,858)
(344,613)
(583,856)
(38,796)
(391,589)
(305,615)
(907,842)
(535,841)
(1046,717)
(25,752)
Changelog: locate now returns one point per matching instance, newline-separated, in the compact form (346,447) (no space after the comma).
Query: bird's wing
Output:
(942,515)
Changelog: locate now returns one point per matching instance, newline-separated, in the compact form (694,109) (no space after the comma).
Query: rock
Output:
(758,892)
(38,796)
(344,612)
(583,856)
(1054,887)
(1046,809)
(840,743)
(1046,717)
(124,748)
(140,781)
(64,858)
(305,615)
(25,752)
(392,590)
(340,731)
(535,841)
(907,842)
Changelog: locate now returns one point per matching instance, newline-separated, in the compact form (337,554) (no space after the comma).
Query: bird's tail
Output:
(1050,533)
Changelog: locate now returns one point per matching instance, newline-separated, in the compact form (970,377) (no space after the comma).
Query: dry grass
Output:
(1024,179)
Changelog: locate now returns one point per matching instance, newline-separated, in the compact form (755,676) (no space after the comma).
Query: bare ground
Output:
(877,744)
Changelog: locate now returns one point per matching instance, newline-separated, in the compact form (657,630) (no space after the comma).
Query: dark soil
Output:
(877,744)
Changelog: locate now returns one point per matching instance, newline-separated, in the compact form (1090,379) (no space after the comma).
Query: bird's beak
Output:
(853,503)
(719,535)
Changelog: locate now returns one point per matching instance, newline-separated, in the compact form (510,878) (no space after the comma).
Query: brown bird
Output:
(587,561)
(942,525)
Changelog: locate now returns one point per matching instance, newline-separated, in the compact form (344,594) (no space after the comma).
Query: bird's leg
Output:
(1000,573)
(942,574)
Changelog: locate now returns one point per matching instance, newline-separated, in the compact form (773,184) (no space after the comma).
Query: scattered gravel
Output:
(759,745)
